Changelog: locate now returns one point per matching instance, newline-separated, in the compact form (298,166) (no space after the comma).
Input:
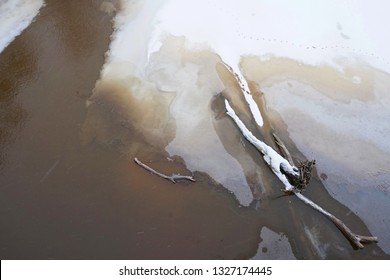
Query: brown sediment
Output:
(119,120)
(336,84)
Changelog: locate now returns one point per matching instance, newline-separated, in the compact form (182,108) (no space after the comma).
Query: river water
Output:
(69,186)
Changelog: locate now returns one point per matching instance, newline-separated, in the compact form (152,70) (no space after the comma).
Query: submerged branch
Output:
(356,239)
(171,178)
(305,175)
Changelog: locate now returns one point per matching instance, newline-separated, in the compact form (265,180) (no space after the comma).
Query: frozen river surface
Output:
(154,79)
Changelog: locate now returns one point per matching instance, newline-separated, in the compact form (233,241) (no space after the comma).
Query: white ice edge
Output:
(16,16)
(271,157)
(247,94)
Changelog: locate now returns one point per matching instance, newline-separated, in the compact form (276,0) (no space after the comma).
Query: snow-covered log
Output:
(247,95)
(279,165)
(282,167)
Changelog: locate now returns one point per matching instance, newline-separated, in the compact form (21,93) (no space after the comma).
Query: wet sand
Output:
(66,198)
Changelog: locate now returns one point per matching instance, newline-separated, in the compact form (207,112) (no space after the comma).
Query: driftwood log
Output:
(173,178)
(303,180)
(295,178)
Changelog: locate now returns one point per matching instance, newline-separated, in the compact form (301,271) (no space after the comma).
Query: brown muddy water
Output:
(66,196)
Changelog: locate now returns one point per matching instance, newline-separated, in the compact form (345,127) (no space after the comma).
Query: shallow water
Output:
(70,190)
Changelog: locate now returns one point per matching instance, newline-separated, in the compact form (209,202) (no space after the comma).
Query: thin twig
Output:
(171,178)
(283,149)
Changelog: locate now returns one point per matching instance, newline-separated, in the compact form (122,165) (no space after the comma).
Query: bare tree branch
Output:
(305,169)
(171,178)
(356,239)
(283,149)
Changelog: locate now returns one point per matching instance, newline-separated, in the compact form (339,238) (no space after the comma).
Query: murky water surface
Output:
(69,186)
